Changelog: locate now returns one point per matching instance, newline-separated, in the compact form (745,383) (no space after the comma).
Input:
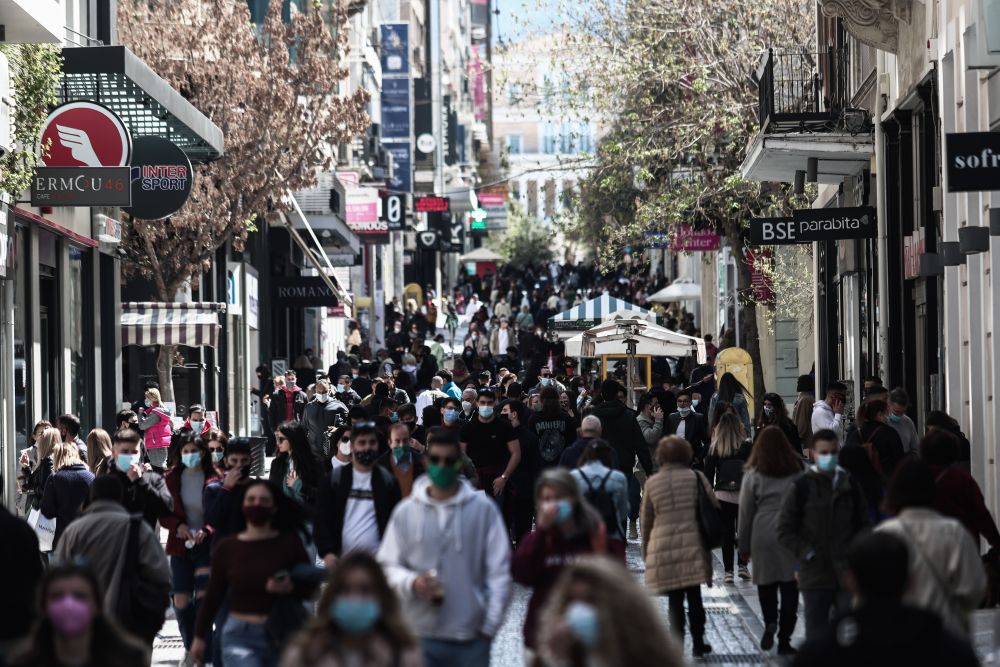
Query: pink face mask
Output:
(69,615)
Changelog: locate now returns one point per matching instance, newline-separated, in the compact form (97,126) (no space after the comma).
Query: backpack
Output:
(602,501)
(730,474)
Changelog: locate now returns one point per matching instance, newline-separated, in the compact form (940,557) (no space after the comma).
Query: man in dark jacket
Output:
(880,630)
(690,425)
(287,402)
(224,498)
(528,470)
(19,558)
(820,514)
(621,429)
(145,491)
(355,501)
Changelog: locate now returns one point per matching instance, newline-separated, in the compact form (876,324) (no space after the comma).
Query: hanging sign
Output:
(431,204)
(302,292)
(814,224)
(81,186)
(973,161)
(161,178)
(688,239)
(427,240)
(84,134)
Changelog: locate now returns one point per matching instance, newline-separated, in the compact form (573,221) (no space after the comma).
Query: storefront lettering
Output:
(808,225)
(985,160)
(303,292)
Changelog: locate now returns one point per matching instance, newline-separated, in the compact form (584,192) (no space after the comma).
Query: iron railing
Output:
(801,89)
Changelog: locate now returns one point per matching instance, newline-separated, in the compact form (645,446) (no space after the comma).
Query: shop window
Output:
(21,341)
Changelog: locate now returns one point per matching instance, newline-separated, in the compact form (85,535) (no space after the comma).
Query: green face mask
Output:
(401,453)
(442,477)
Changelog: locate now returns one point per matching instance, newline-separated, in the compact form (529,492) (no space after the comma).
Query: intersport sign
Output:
(973,161)
(819,224)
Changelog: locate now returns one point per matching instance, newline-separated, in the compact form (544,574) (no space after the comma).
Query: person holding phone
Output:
(224,497)
(251,570)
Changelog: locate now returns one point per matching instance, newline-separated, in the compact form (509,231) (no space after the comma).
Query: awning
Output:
(160,323)
(651,339)
(120,80)
(481,255)
(590,313)
(682,289)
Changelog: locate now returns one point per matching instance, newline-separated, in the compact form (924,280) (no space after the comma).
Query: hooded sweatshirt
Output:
(465,540)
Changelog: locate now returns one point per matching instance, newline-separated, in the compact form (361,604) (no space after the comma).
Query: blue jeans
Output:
(820,606)
(247,645)
(445,653)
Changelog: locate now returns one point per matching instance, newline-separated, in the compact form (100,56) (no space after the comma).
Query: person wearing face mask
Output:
(819,518)
(468,404)
(216,442)
(689,424)
(224,497)
(446,553)
(103,537)
(451,414)
(774,413)
(296,470)
(899,402)
(145,492)
(196,420)
(345,392)
(253,570)
(322,412)
(66,489)
(359,622)
(879,439)
(492,445)
(545,379)
(187,538)
(404,458)
(73,629)
(566,528)
(598,614)
(340,442)
(355,500)
(155,424)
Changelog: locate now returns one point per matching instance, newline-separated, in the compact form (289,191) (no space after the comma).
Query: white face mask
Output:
(344,448)
(467,406)
(322,398)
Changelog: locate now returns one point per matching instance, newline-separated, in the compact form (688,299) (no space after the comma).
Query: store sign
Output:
(234,291)
(760,279)
(84,134)
(359,210)
(396,109)
(973,161)
(253,300)
(161,178)
(913,248)
(456,237)
(402,166)
(303,292)
(427,240)
(814,224)
(395,42)
(81,186)
(688,239)
(431,204)
(393,211)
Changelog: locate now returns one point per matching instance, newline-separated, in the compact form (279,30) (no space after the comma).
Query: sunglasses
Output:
(446,461)
(363,425)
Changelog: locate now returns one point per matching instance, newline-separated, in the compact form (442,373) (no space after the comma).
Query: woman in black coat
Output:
(773,412)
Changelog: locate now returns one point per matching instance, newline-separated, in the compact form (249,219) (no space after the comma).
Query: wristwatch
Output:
(503,476)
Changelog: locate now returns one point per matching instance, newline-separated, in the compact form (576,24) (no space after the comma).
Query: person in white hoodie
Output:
(829,413)
(446,552)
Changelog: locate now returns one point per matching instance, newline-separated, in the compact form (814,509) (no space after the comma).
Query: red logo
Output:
(84,134)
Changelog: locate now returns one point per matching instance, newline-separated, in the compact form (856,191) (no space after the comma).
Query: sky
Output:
(520,16)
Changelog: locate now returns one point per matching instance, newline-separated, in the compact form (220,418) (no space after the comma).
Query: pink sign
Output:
(359,215)
(686,238)
(492,200)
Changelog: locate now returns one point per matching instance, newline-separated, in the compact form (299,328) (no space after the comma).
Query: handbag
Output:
(44,527)
(709,517)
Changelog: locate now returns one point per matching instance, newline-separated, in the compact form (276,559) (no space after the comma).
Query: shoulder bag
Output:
(709,517)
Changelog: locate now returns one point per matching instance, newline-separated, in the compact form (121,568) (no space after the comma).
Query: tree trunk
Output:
(749,332)
(164,371)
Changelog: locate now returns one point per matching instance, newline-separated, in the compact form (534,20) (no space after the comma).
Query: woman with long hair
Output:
(188,539)
(731,391)
(677,562)
(253,569)
(597,614)
(359,622)
(156,428)
(40,475)
(727,456)
(295,470)
(566,527)
(774,413)
(856,461)
(771,472)
(98,450)
(67,487)
(72,628)
(28,460)
(216,442)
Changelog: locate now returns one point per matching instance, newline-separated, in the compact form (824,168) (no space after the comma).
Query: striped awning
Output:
(158,323)
(591,313)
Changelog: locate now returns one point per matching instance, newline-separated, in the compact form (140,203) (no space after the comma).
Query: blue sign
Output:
(396,109)
(402,172)
(395,49)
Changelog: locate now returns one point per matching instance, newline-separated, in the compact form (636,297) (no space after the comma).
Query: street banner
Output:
(814,224)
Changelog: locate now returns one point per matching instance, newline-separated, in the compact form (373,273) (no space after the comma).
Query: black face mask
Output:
(366,457)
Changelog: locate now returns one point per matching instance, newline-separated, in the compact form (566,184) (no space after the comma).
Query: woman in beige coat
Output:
(677,563)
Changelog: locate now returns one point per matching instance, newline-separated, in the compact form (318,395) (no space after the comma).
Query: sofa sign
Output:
(814,224)
(973,161)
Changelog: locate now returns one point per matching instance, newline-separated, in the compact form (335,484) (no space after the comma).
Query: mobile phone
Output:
(245,471)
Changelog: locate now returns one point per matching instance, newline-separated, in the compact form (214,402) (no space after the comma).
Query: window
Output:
(515,93)
(550,138)
(515,144)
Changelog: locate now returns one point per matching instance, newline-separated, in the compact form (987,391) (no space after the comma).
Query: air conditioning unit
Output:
(5,107)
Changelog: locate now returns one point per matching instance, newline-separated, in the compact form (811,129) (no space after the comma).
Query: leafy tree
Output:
(273,89)
(677,77)
(525,242)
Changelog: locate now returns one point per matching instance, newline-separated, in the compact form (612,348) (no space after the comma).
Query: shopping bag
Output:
(45,529)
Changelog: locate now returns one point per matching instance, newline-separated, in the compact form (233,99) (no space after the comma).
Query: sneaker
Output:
(728,579)
(633,530)
(767,641)
(785,648)
(744,572)
(700,648)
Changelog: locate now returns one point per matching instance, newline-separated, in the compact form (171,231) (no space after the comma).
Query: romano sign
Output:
(814,224)
(973,161)
(302,292)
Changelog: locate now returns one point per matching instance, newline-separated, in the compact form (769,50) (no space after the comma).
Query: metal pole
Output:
(436,124)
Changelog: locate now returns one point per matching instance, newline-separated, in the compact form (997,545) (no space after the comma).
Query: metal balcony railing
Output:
(797,89)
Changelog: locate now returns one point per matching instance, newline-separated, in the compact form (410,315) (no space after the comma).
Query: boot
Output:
(786,648)
(633,529)
(767,640)
(700,648)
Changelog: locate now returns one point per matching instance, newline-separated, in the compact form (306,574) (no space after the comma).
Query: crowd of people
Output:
(405,499)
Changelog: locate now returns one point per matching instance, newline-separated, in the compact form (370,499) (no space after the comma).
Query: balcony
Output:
(31,21)
(804,113)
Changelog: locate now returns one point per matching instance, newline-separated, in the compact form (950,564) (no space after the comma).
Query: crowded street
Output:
(499,333)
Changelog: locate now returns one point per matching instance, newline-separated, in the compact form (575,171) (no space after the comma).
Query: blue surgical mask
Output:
(546,382)
(394,417)
(197,426)
(450,416)
(124,461)
(894,419)
(147,403)
(355,616)
(684,411)
(354,376)
(191,459)
(694,402)
(486,411)
(217,457)
(564,511)
(582,621)
(340,389)
(826,462)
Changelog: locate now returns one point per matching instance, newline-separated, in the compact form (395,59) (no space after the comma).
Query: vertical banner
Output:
(397,103)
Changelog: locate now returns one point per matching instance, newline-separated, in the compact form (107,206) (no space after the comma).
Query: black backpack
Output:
(600,499)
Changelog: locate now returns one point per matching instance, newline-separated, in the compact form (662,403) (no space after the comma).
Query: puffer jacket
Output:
(671,542)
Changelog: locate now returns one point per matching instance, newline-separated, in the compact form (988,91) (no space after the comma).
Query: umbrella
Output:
(682,289)
(481,255)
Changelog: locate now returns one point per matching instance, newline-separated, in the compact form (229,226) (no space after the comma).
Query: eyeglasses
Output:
(446,461)
(281,438)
